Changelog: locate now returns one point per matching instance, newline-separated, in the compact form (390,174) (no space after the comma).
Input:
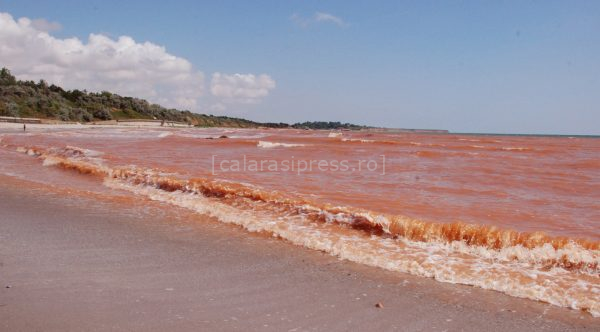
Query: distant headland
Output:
(31,102)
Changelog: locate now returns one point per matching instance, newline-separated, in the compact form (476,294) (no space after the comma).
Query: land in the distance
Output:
(28,99)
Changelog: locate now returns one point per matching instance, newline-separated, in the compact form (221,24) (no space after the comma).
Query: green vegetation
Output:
(40,100)
(327,125)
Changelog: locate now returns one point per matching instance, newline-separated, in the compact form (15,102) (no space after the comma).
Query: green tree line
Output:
(41,100)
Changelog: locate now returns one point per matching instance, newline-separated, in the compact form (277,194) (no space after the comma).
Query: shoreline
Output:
(127,124)
(145,266)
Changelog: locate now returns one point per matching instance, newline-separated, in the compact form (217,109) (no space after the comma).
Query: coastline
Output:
(45,126)
(72,266)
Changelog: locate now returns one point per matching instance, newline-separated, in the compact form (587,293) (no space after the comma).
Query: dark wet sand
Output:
(77,264)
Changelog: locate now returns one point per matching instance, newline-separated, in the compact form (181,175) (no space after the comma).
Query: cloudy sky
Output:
(468,66)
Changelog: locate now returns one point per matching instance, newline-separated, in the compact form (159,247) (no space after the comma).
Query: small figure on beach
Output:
(24,127)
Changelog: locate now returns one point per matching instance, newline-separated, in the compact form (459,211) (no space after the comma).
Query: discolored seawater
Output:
(517,214)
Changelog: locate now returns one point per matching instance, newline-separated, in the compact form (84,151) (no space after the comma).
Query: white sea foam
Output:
(429,259)
(85,152)
(358,140)
(516,148)
(269,145)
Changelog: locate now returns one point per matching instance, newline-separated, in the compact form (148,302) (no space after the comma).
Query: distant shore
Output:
(139,123)
(64,266)
(100,124)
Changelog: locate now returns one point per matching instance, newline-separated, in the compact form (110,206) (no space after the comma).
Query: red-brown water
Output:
(517,214)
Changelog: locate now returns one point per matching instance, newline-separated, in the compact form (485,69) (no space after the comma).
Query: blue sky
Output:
(480,66)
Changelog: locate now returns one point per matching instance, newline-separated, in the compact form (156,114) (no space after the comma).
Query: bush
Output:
(12,109)
(81,115)
(64,114)
(102,114)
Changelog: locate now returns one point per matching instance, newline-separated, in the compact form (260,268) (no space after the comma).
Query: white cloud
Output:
(123,65)
(45,25)
(241,88)
(318,17)
(300,21)
(328,18)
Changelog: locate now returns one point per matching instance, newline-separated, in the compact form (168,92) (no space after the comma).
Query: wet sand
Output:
(94,265)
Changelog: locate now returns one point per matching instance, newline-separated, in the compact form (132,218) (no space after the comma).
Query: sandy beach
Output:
(66,267)
(18,127)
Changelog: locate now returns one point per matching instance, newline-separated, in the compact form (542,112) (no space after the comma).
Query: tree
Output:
(6,78)
(12,109)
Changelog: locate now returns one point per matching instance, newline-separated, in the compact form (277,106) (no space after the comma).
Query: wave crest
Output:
(268,145)
(458,252)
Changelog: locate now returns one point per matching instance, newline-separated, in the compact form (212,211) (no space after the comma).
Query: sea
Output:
(517,214)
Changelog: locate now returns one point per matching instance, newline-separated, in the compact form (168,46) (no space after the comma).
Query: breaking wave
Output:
(268,145)
(559,270)
(358,140)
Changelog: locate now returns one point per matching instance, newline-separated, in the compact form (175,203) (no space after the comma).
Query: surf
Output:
(560,270)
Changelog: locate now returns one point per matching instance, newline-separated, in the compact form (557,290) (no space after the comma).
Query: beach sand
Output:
(96,265)
(11,127)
